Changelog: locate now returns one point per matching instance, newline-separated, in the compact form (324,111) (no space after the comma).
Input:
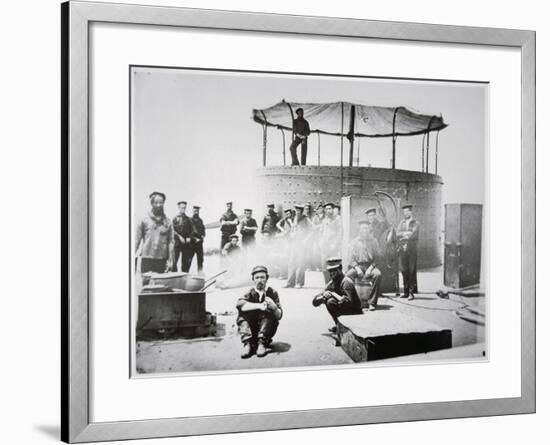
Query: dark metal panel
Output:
(471,244)
(463,227)
(452,240)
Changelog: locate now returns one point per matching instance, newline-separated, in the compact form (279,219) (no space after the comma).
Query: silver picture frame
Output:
(76,18)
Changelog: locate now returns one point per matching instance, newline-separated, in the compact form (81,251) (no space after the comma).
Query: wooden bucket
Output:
(363,289)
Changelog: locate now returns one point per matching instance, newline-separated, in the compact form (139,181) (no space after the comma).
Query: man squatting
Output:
(340,296)
(259,312)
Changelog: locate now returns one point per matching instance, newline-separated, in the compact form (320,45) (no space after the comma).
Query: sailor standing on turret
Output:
(300,128)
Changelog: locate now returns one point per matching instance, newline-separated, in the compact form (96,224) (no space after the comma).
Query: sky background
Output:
(194,139)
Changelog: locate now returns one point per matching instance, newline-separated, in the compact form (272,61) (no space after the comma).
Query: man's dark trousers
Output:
(336,310)
(293,146)
(186,252)
(199,251)
(407,265)
(257,326)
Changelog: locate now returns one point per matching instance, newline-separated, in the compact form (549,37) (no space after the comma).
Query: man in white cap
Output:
(259,314)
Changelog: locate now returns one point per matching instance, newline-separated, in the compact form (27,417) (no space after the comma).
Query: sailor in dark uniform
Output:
(229,222)
(301,130)
(340,296)
(259,314)
(298,237)
(197,239)
(269,223)
(248,228)
(407,237)
(183,231)
(272,251)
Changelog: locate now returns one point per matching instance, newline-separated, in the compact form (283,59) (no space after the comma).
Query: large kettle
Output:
(182,280)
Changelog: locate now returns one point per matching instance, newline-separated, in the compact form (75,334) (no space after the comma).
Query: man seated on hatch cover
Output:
(340,296)
(364,255)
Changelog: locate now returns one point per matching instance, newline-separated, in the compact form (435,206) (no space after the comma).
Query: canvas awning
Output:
(336,118)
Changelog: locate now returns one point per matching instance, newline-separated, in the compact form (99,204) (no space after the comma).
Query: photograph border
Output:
(76,18)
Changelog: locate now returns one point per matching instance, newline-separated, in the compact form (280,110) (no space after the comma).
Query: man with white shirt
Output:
(407,236)
(259,314)
(300,226)
(364,257)
(330,237)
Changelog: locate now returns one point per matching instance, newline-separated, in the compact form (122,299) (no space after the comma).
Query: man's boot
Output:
(246,350)
(261,351)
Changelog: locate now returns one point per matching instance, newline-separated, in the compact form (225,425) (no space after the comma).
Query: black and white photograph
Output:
(275,222)
(291,220)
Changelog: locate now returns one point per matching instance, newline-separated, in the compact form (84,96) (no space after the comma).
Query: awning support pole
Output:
(428,152)
(394,138)
(342,152)
(265,140)
(423,141)
(265,146)
(428,144)
(319,149)
(291,119)
(351,134)
(284,147)
(436,150)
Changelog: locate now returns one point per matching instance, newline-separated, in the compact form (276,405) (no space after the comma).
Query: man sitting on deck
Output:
(259,315)
(340,296)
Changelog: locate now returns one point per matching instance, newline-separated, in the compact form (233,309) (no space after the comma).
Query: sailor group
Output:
(165,242)
(259,310)
(300,240)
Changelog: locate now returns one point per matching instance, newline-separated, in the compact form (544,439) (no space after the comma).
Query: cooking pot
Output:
(194,283)
(180,280)
(172,280)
